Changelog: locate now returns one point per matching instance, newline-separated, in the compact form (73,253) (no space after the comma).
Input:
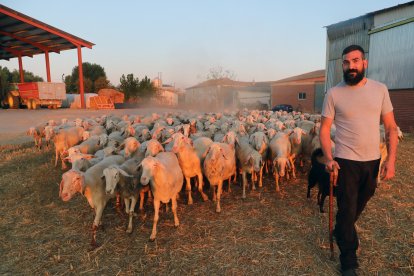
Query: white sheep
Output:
(250,161)
(164,174)
(219,164)
(189,163)
(280,148)
(91,185)
(66,138)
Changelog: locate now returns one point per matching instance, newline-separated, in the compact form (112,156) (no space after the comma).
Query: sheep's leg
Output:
(156,216)
(254,178)
(244,184)
(214,193)
(174,210)
(118,204)
(219,191)
(200,186)
(126,201)
(56,157)
(229,189)
(141,200)
(276,174)
(96,222)
(150,197)
(188,190)
(292,163)
(131,214)
(261,177)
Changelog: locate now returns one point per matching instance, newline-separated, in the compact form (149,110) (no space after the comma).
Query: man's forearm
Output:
(391,140)
(326,144)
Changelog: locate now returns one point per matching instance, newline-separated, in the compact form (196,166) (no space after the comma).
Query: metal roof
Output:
(22,35)
(307,76)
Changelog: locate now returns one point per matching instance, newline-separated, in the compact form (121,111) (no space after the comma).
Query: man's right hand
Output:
(332,167)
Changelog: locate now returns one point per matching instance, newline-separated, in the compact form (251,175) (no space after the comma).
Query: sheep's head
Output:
(111,177)
(72,182)
(149,166)
(281,164)
(256,161)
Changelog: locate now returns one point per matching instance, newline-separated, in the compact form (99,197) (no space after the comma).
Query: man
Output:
(356,106)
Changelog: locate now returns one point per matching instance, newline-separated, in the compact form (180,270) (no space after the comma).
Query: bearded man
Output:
(356,105)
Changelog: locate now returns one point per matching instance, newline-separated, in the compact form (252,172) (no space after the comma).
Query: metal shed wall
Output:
(341,35)
(393,15)
(392,57)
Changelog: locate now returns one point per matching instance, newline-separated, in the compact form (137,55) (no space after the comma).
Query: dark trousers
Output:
(356,184)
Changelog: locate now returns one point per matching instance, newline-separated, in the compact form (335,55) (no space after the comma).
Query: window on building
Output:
(302,96)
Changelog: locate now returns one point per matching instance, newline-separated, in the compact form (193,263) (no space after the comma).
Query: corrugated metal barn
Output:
(387,36)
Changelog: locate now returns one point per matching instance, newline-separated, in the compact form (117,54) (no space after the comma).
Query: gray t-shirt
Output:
(356,112)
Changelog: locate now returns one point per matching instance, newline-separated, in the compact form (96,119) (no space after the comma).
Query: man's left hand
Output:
(387,170)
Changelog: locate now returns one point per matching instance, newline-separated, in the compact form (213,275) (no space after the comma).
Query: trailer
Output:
(37,94)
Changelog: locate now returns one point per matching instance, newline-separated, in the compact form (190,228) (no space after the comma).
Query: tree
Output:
(129,86)
(218,72)
(28,77)
(90,71)
(146,89)
(101,83)
(133,88)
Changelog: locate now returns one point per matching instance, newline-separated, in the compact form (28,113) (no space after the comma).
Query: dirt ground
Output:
(268,233)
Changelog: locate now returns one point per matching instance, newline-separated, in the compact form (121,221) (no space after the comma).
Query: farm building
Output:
(227,93)
(387,36)
(166,94)
(304,92)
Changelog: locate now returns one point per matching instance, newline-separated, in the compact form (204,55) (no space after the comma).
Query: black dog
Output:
(318,174)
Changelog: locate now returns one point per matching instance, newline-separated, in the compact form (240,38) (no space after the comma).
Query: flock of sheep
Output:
(129,157)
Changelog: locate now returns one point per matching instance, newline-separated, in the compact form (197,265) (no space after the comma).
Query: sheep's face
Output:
(72,182)
(280,164)
(85,136)
(73,151)
(111,176)
(257,163)
(149,165)
(49,133)
(131,146)
(103,139)
(153,148)
(179,140)
(296,135)
(31,131)
(78,122)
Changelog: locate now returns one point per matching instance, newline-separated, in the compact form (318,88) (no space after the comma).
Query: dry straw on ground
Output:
(265,234)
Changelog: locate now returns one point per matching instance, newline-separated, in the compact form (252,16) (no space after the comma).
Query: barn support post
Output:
(81,88)
(47,66)
(21,69)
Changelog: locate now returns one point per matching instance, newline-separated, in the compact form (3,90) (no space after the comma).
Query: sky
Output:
(261,40)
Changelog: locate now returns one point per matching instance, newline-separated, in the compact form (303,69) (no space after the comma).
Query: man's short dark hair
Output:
(353,48)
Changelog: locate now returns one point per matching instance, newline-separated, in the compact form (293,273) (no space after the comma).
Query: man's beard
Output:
(353,80)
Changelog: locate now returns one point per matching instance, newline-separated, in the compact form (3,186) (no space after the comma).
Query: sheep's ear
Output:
(161,148)
(167,141)
(124,173)
(248,160)
(206,152)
